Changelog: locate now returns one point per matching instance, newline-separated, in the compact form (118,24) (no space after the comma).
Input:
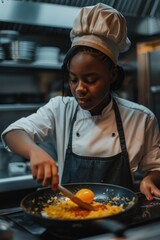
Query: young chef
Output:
(98,136)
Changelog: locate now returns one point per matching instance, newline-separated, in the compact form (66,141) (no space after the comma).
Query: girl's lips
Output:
(82,100)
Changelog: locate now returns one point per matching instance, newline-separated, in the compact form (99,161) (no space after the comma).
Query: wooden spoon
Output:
(75,199)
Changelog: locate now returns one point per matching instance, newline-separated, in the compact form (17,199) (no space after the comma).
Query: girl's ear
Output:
(114,75)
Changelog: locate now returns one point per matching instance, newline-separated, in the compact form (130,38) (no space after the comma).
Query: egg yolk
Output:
(86,195)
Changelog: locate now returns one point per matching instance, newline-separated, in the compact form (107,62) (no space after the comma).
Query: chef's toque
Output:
(103,28)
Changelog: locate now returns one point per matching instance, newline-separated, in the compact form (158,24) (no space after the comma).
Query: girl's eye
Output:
(86,79)
(71,80)
(91,80)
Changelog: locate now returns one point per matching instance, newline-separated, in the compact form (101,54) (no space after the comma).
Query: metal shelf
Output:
(16,183)
(17,12)
(33,65)
(60,14)
(20,106)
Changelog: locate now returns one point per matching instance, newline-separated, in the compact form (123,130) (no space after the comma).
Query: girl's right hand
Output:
(44,168)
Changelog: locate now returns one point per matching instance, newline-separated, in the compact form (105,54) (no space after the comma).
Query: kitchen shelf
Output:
(33,65)
(17,12)
(20,106)
(16,183)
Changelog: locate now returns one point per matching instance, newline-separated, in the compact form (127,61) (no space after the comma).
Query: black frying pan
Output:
(33,204)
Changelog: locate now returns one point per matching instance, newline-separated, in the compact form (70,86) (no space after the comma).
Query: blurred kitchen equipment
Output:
(1,53)
(17,168)
(47,55)
(21,51)
(5,230)
(32,98)
(11,98)
(4,158)
(7,36)
(7,98)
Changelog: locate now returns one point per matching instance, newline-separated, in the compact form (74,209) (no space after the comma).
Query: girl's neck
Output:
(99,108)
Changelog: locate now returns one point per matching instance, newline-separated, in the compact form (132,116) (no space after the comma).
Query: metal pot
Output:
(33,204)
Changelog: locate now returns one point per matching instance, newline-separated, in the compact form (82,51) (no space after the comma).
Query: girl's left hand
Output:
(148,185)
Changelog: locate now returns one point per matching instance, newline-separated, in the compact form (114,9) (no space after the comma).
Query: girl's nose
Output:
(81,87)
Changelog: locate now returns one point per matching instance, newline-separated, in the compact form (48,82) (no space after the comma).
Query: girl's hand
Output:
(44,168)
(148,185)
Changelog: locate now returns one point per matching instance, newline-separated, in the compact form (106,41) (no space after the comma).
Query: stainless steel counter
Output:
(17,183)
(15,173)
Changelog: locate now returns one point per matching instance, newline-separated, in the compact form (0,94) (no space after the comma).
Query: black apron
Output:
(110,170)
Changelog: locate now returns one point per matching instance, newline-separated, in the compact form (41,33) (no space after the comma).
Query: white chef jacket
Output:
(96,135)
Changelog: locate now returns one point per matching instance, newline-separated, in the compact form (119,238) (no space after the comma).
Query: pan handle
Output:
(112,226)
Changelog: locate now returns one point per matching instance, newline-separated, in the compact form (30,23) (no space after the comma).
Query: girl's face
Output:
(89,81)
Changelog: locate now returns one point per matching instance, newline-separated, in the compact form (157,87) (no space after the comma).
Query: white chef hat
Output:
(103,28)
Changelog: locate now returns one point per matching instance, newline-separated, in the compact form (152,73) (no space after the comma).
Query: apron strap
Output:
(71,132)
(120,128)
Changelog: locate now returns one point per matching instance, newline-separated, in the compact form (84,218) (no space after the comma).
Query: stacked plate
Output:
(23,51)
(6,37)
(47,55)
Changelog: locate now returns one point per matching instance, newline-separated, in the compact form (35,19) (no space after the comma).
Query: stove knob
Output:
(5,230)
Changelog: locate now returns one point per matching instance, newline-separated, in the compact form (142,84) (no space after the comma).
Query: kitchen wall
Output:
(148,58)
